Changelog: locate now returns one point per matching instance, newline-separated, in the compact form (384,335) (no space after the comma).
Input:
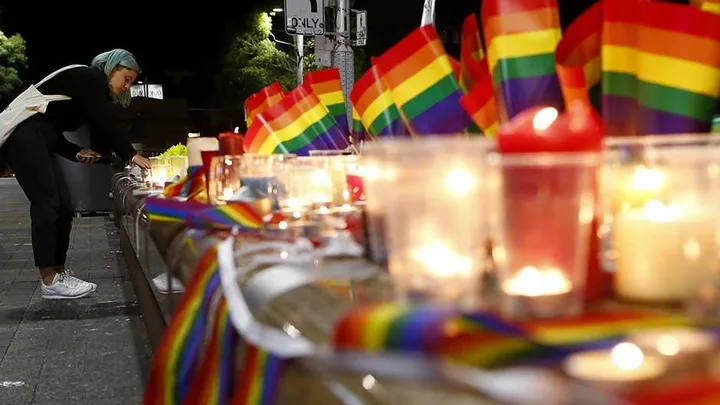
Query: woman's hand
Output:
(87,156)
(141,161)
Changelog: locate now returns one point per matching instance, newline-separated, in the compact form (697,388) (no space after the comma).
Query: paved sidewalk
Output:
(89,351)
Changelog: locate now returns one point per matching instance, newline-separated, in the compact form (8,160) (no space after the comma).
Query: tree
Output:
(13,63)
(251,61)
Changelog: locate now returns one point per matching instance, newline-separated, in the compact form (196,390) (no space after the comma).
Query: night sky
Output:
(188,38)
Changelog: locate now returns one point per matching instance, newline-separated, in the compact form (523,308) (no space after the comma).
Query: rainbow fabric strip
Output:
(189,185)
(176,360)
(481,338)
(521,37)
(299,123)
(418,72)
(231,216)
(375,106)
(214,380)
(578,58)
(258,382)
(171,210)
(262,100)
(327,85)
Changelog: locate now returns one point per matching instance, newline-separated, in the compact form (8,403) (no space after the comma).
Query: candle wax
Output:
(613,366)
(673,341)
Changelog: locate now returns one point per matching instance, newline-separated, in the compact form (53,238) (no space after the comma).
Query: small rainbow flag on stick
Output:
(178,355)
(262,100)
(578,58)
(358,129)
(375,106)
(258,382)
(423,85)
(678,69)
(471,55)
(521,37)
(299,123)
(327,85)
(619,66)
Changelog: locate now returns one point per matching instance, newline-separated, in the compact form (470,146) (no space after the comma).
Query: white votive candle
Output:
(624,363)
(662,252)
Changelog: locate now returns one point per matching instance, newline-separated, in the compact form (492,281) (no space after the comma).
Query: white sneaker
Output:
(64,287)
(69,274)
(161,284)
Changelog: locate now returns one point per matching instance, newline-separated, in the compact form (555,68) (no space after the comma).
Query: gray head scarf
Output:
(108,61)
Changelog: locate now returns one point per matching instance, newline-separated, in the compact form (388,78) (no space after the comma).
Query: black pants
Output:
(28,152)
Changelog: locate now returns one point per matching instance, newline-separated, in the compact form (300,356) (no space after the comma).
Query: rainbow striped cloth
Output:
(327,85)
(231,216)
(171,210)
(176,361)
(521,37)
(374,104)
(423,85)
(483,339)
(299,123)
(191,184)
(262,100)
(258,381)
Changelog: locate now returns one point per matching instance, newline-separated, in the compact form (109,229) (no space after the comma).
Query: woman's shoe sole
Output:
(64,297)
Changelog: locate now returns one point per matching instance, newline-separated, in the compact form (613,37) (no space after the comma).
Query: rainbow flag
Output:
(297,124)
(358,129)
(176,360)
(418,72)
(711,6)
(481,106)
(678,69)
(375,106)
(578,58)
(258,382)
(471,55)
(521,37)
(234,215)
(214,381)
(171,210)
(619,65)
(262,100)
(327,85)
(190,184)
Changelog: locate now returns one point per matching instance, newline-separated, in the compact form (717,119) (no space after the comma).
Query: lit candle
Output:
(532,282)
(231,143)
(195,147)
(160,174)
(624,363)
(662,251)
(673,342)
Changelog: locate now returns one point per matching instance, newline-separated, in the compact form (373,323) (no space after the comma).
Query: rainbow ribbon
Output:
(214,381)
(258,381)
(482,339)
(234,215)
(171,210)
(176,360)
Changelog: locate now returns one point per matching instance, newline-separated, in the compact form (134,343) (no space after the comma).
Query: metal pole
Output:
(300,45)
(342,56)
(428,15)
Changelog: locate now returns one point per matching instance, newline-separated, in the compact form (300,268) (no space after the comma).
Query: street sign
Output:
(305,17)
(359,30)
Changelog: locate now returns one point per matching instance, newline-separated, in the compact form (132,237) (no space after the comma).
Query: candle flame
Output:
(532,282)
(668,345)
(440,260)
(658,212)
(645,179)
(460,182)
(627,356)
(544,118)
